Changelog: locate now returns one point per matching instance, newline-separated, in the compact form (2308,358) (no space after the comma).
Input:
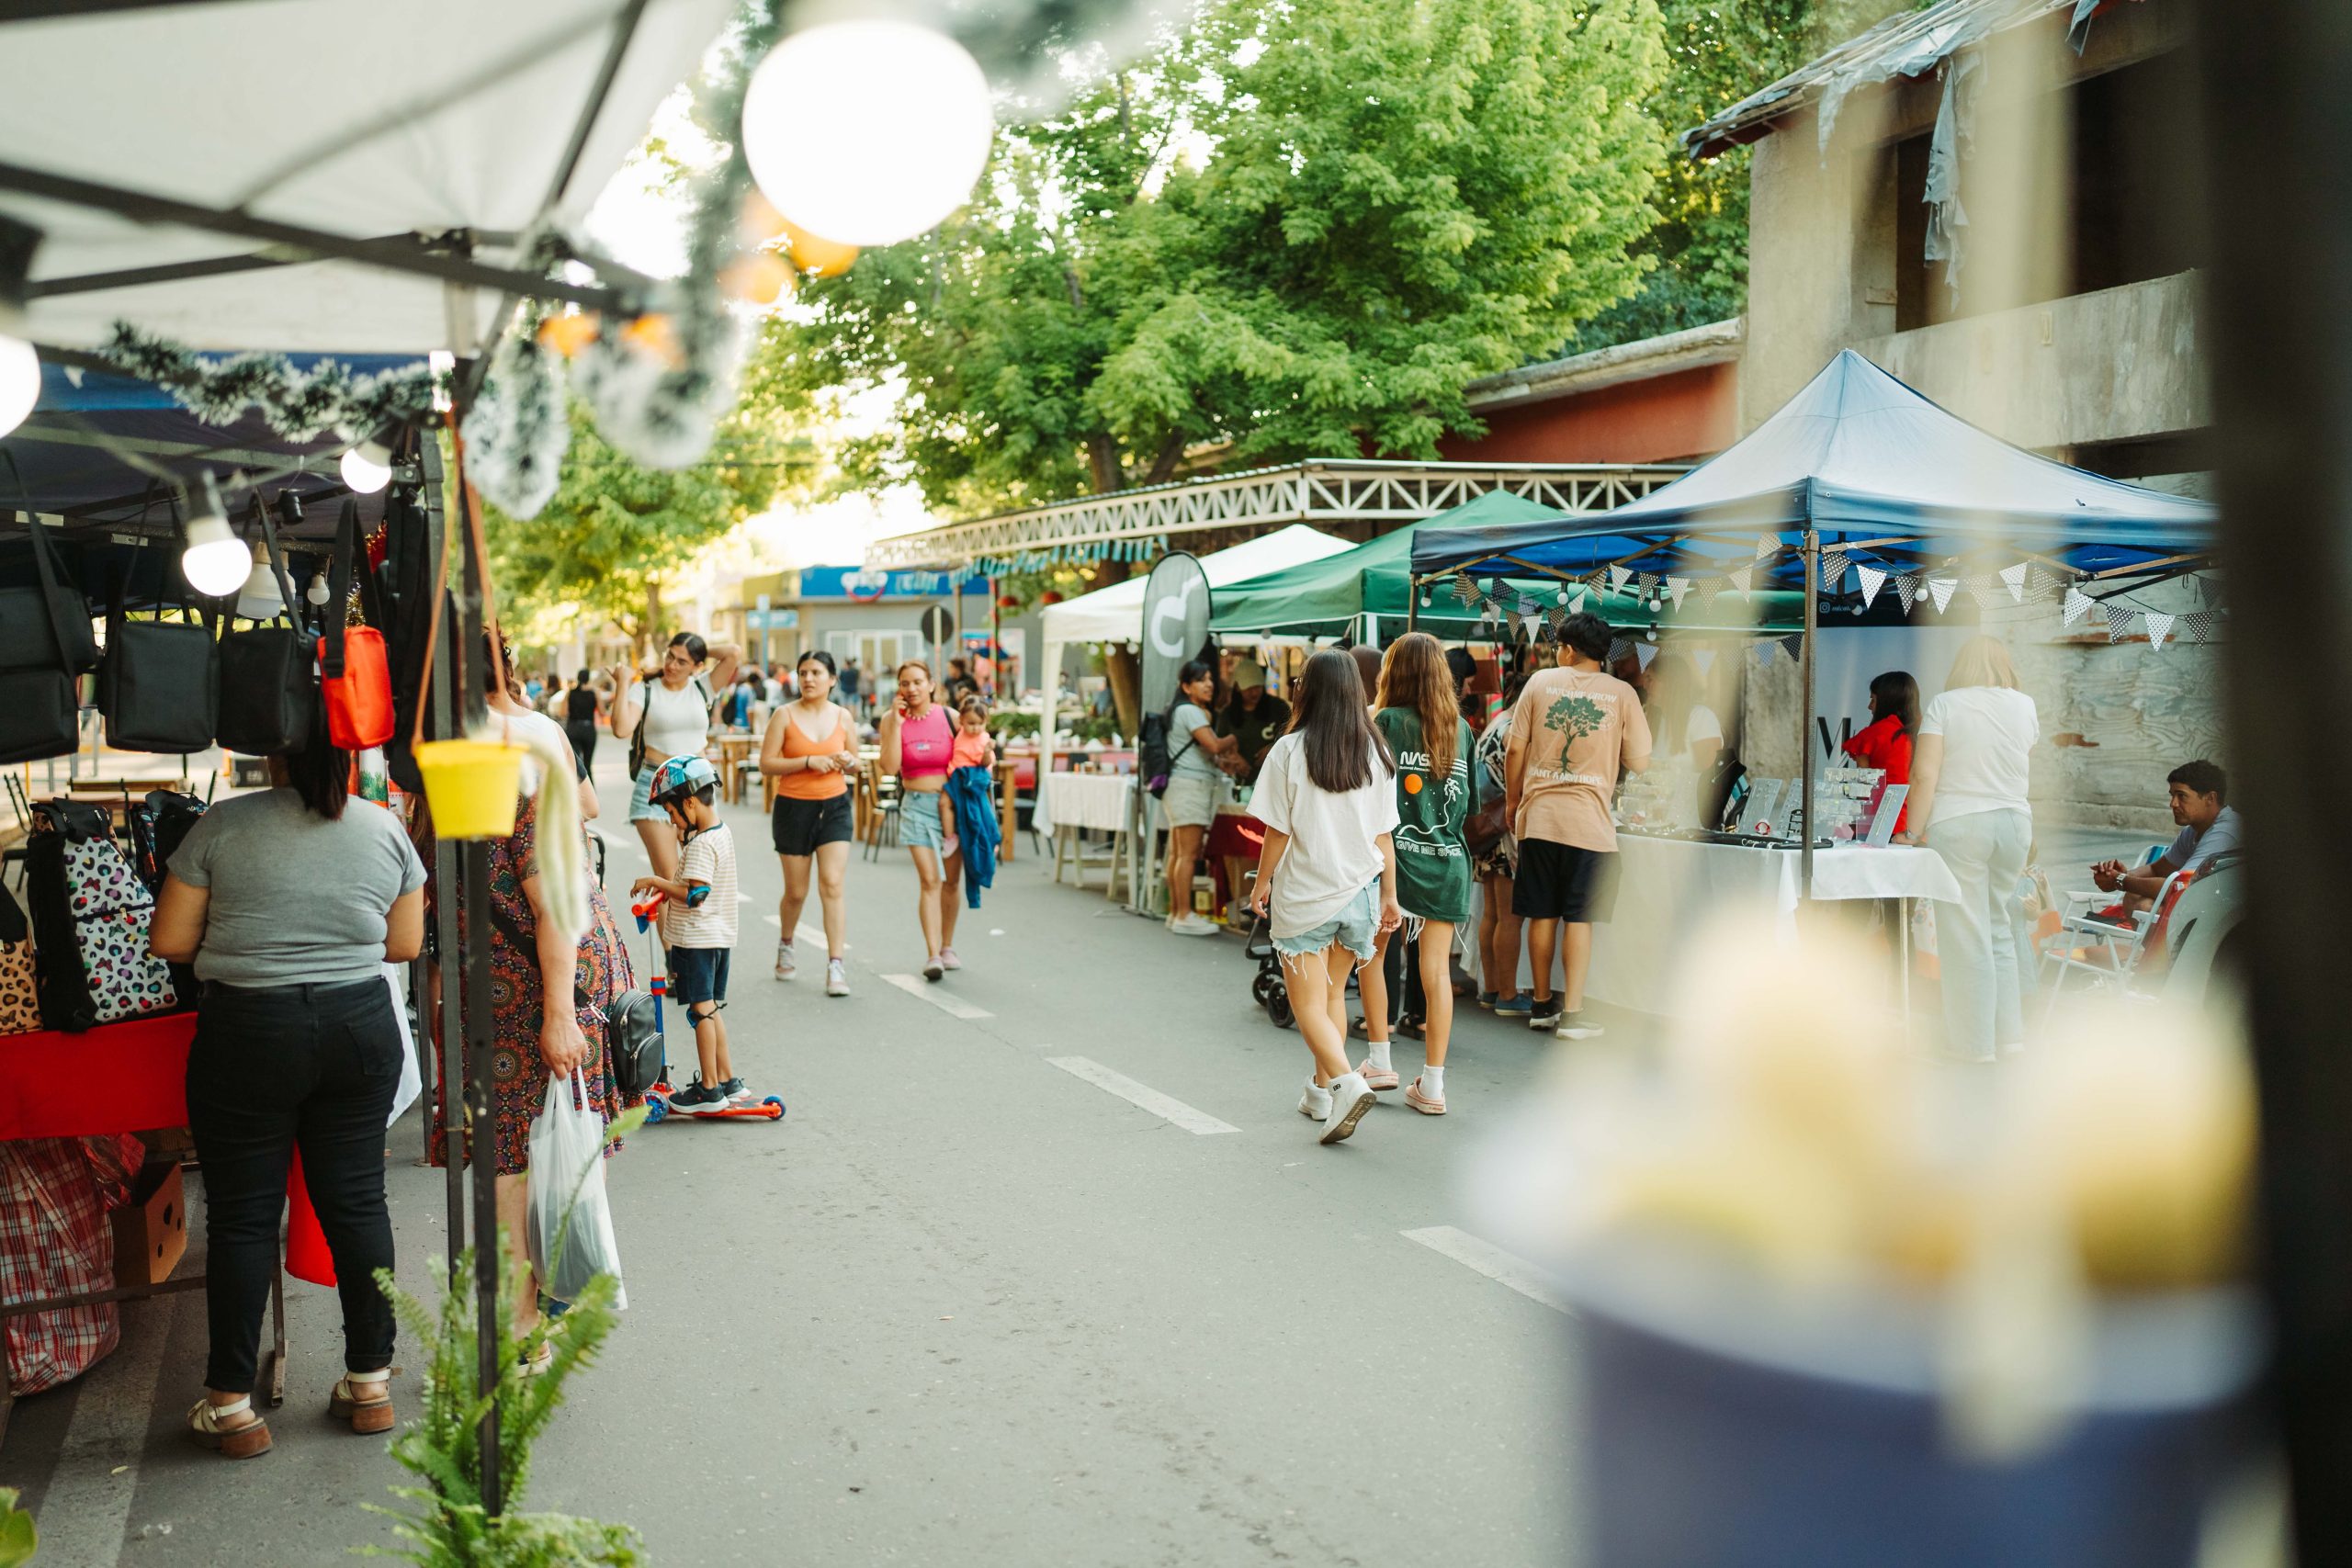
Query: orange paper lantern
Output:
(757,278)
(654,334)
(760,221)
(815,254)
(572,332)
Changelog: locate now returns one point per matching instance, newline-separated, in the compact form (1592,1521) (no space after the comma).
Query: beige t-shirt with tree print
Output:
(1579,729)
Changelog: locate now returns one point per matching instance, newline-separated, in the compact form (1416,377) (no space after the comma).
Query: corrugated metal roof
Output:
(1910,44)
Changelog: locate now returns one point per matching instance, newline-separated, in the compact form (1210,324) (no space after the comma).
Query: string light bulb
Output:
(317,593)
(366,467)
(19,381)
(213,561)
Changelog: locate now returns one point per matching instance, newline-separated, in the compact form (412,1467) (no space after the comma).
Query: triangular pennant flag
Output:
(2013,578)
(1793,646)
(1647,582)
(1598,580)
(1703,661)
(1871,579)
(1645,652)
(1766,543)
(1739,580)
(1619,649)
(1617,575)
(1943,587)
(2209,592)
(1511,618)
(1555,617)
(1706,589)
(1983,590)
(2077,602)
(1577,608)
(1676,587)
(2159,624)
(1907,588)
(2118,621)
(1527,605)
(1465,590)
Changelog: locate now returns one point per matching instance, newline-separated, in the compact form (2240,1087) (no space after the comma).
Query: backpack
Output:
(637,740)
(1154,762)
(633,1032)
(159,824)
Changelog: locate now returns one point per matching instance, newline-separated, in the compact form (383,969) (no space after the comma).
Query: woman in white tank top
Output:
(674,704)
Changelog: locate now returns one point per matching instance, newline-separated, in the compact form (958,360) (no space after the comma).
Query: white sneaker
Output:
(1193,925)
(947,959)
(786,964)
(1350,1098)
(1316,1103)
(836,977)
(1576,1025)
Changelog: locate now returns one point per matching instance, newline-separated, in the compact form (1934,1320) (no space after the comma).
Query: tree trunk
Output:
(1102,455)
(648,639)
(1164,461)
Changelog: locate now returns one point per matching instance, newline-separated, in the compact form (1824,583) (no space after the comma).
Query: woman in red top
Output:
(1894,723)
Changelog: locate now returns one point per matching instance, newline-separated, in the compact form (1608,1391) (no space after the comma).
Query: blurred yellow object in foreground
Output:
(816,256)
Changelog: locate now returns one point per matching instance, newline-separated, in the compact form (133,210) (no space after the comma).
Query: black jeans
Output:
(272,1068)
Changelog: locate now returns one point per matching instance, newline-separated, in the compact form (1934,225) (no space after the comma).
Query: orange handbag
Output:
(355,676)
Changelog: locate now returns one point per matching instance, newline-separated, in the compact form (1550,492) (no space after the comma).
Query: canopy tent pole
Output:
(1805,714)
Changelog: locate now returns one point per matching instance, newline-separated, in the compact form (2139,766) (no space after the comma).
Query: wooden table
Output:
(734,749)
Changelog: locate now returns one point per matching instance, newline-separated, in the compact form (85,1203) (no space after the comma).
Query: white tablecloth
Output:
(1667,888)
(1086,800)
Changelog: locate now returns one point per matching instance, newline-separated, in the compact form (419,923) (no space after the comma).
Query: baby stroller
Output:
(1266,986)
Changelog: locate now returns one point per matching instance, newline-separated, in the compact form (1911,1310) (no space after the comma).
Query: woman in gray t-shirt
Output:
(290,903)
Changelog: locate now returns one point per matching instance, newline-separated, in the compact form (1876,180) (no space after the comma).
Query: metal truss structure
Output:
(1321,491)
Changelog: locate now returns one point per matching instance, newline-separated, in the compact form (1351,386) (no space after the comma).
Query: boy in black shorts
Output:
(698,924)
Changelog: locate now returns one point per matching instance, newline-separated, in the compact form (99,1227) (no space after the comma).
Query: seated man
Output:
(2207,829)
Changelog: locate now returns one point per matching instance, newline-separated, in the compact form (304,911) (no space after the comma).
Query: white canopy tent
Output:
(316,174)
(1115,614)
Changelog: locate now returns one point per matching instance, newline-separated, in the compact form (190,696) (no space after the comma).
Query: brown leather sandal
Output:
(364,1399)
(247,1440)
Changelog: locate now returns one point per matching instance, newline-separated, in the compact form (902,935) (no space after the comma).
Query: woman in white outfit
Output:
(1968,803)
(673,705)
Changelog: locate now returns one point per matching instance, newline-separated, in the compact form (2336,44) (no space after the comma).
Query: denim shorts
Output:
(919,814)
(1353,927)
(641,797)
(698,974)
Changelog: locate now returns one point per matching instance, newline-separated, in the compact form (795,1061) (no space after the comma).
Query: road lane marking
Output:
(948,1002)
(87,1514)
(1504,1268)
(1144,1095)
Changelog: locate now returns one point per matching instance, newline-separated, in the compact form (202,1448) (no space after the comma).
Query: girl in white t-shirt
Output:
(1968,803)
(1326,878)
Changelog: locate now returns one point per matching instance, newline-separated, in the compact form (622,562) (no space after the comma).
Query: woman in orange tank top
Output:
(811,751)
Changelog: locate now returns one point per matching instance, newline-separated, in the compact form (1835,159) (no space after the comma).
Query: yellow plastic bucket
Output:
(471,787)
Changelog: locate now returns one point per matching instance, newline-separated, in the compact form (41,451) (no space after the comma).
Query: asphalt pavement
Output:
(1042,1266)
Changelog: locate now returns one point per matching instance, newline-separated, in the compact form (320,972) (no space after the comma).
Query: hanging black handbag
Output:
(46,626)
(269,678)
(40,711)
(160,685)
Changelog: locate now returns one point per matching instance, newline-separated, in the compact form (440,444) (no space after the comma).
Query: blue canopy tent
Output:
(1896,492)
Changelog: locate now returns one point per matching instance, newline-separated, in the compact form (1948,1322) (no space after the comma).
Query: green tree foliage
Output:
(1296,231)
(1721,51)
(616,531)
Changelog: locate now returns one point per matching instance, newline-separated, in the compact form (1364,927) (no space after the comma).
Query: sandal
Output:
(1413,1028)
(537,1363)
(364,1399)
(244,1440)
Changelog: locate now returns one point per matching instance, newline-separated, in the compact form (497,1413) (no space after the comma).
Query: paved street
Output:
(968,1302)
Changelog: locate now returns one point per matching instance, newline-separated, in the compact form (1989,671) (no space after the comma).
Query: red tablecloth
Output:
(129,1077)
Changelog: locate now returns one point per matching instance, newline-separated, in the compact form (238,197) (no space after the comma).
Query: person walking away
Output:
(1575,730)
(810,749)
(1890,740)
(580,711)
(918,741)
(853,684)
(1499,927)
(1196,785)
(698,925)
(1418,715)
(974,836)
(1968,803)
(1326,878)
(667,713)
(290,904)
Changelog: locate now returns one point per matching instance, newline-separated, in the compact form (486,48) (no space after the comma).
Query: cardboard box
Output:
(150,1231)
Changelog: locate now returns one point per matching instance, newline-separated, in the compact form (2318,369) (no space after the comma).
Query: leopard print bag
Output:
(19,1006)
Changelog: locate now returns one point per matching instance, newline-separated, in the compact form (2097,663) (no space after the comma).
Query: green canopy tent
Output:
(1366,592)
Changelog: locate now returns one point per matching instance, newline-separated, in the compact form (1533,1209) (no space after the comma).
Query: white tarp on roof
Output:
(345,115)
(1115,614)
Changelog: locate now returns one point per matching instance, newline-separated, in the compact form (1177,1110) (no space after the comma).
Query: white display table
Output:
(1098,801)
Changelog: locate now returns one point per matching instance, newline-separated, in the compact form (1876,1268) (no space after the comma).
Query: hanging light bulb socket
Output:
(213,561)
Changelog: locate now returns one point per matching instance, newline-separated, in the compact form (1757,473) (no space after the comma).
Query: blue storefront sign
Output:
(856,583)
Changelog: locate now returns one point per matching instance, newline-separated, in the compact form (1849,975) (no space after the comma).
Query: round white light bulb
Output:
(318,591)
(259,598)
(867,132)
(19,381)
(362,473)
(215,568)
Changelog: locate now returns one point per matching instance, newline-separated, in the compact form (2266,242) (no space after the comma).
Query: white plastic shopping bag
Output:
(568,1177)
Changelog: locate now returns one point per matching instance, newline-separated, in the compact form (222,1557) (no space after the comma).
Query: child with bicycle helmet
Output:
(698,924)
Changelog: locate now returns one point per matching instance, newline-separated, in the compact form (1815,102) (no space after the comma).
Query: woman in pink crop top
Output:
(918,742)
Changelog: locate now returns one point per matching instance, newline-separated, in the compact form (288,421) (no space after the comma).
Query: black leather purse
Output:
(269,675)
(160,686)
(46,626)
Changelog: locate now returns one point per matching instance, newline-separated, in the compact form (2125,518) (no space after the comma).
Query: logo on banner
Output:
(1175,625)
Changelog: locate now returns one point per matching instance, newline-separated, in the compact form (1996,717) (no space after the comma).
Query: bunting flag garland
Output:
(1793,645)
(1907,588)
(2118,621)
(1871,579)
(1647,583)
(1597,581)
(2209,591)
(2159,626)
(1555,618)
(1705,590)
(1464,590)
(1619,649)
(1739,580)
(1833,571)
(1766,543)
(2201,626)
(1984,589)
(2077,602)
(1617,577)
(1645,652)
(1943,587)
(1703,661)
(2013,578)
(1510,619)
(1676,587)
(1527,607)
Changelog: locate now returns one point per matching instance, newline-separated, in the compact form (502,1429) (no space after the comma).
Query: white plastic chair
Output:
(2107,951)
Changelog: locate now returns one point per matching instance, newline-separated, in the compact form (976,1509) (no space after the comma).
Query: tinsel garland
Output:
(301,405)
(516,432)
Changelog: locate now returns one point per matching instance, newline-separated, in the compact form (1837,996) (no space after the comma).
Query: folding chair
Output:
(2109,952)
